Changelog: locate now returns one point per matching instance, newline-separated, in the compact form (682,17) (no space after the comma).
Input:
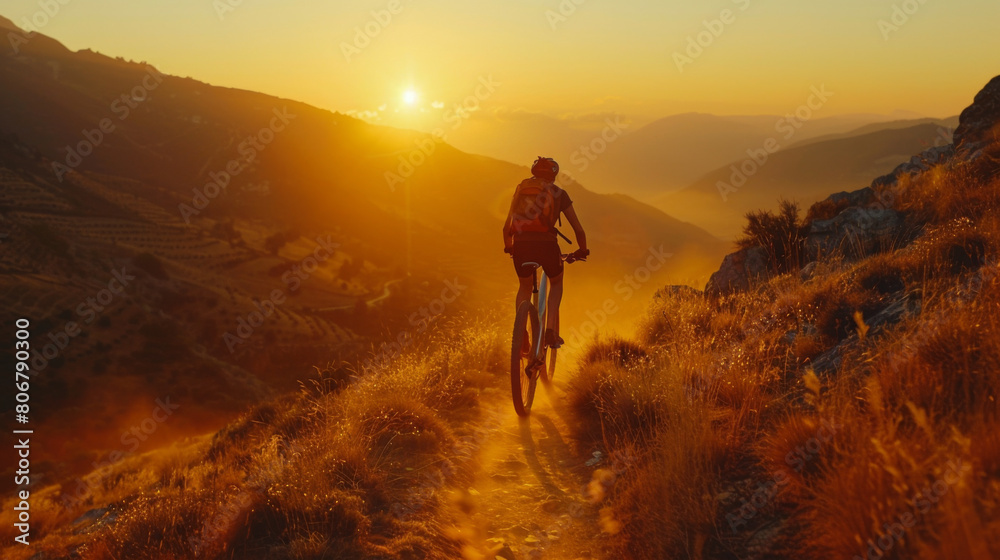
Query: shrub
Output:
(781,235)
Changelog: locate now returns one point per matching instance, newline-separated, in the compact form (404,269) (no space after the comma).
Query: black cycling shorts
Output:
(545,253)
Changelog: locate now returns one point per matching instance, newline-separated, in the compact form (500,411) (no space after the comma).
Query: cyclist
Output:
(529,235)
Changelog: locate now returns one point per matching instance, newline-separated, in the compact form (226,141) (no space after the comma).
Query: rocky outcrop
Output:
(738,271)
(978,124)
(866,221)
(917,164)
(856,231)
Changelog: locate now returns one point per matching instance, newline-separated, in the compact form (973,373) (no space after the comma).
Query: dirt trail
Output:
(529,497)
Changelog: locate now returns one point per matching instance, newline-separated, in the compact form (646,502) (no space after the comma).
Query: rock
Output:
(808,271)
(738,271)
(894,313)
(674,290)
(861,197)
(855,232)
(917,164)
(596,458)
(519,531)
(505,553)
(93,520)
(552,506)
(978,122)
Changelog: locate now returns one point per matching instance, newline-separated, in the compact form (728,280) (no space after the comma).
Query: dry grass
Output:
(355,471)
(744,452)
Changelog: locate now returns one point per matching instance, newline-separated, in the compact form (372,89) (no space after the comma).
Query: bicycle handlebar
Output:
(570,258)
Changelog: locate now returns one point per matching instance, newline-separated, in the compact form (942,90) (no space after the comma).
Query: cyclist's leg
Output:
(525,276)
(526,286)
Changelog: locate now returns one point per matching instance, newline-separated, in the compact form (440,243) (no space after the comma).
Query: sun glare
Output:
(410,97)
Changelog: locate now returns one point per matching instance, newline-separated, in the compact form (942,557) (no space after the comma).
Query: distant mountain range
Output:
(611,153)
(805,172)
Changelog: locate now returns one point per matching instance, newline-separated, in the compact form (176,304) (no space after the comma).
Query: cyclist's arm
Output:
(574,221)
(508,230)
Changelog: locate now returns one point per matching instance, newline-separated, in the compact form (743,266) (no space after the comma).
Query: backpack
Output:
(534,207)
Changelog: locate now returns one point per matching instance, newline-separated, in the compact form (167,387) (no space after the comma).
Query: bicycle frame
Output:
(539,298)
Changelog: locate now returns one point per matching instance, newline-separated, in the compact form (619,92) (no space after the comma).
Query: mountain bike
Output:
(527,367)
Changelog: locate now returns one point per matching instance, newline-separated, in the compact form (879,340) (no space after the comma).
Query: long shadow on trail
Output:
(531,454)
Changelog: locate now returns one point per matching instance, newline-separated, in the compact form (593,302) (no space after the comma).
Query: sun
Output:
(410,97)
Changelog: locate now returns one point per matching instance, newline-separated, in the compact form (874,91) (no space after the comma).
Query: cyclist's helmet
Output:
(545,168)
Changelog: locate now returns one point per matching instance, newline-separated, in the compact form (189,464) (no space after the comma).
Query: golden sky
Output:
(556,57)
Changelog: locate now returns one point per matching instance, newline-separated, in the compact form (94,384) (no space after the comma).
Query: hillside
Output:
(221,208)
(805,172)
(833,393)
(671,153)
(947,128)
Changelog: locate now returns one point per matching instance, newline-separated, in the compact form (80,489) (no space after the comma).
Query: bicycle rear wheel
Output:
(549,371)
(522,382)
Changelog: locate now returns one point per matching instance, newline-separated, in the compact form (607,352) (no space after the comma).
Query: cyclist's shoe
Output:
(552,340)
(526,344)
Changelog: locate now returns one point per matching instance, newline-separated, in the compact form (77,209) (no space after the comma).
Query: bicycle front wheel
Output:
(522,382)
